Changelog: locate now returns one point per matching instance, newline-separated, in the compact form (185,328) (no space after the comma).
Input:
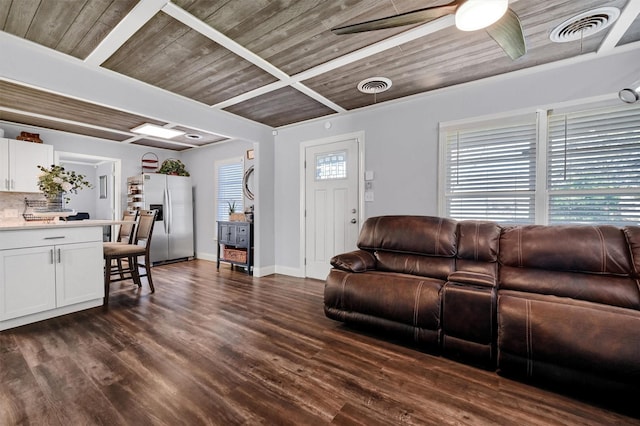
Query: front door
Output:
(331,204)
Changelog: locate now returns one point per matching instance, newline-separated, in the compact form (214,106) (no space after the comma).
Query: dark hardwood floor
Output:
(225,348)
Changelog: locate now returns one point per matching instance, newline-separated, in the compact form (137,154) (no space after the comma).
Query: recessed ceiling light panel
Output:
(157,131)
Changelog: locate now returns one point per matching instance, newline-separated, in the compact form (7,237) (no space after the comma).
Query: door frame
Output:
(359,136)
(94,160)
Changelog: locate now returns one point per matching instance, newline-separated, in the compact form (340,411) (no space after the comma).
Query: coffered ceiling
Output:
(275,62)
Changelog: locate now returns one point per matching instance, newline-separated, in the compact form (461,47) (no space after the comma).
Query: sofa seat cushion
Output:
(406,299)
(572,341)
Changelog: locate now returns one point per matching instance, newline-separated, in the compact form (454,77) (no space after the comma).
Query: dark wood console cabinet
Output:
(235,244)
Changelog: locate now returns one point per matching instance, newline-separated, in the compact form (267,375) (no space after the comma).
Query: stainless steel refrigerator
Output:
(172,237)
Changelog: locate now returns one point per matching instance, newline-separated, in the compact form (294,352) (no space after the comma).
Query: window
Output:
(331,166)
(229,187)
(570,167)
(594,167)
(490,171)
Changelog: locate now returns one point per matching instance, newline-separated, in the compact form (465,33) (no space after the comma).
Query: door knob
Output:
(353,220)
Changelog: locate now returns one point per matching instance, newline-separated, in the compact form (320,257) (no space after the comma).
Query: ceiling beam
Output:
(130,24)
(620,27)
(206,30)
(357,55)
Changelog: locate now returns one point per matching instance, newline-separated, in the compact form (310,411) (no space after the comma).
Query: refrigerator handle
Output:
(165,204)
(170,210)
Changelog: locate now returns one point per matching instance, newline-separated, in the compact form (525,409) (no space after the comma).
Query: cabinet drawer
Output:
(46,237)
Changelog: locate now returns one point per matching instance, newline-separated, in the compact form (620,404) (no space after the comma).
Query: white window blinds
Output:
(490,171)
(594,166)
(229,184)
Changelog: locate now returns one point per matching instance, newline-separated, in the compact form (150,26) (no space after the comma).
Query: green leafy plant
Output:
(56,180)
(232,206)
(173,167)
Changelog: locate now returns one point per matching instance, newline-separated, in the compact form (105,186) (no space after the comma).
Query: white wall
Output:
(85,199)
(401,137)
(201,165)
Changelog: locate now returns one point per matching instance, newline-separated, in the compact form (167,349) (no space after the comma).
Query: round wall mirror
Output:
(247,183)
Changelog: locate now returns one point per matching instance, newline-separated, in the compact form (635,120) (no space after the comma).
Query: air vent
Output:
(374,85)
(584,24)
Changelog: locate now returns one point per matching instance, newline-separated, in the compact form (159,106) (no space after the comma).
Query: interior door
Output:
(331,204)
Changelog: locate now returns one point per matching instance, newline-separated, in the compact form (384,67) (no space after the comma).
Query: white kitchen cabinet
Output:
(18,164)
(29,281)
(49,272)
(79,275)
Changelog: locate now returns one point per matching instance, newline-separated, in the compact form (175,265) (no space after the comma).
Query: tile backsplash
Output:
(12,204)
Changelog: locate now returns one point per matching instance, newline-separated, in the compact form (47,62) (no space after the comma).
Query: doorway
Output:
(104,174)
(332,201)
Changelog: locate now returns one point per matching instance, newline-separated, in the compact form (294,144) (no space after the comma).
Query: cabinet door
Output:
(4,164)
(79,273)
(242,236)
(227,234)
(27,281)
(24,157)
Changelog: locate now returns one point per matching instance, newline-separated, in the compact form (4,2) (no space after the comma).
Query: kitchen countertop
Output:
(19,224)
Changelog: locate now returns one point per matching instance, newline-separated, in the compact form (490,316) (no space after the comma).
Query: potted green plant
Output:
(54,182)
(172,166)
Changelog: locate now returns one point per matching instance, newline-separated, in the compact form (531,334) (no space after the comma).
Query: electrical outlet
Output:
(368,196)
(10,212)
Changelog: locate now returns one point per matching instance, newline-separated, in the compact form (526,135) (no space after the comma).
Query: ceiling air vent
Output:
(374,85)
(585,24)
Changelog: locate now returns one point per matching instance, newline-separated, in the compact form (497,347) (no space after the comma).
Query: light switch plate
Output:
(368,175)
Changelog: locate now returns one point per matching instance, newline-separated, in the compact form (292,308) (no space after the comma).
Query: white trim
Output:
(287,270)
(117,176)
(620,27)
(318,97)
(542,192)
(264,271)
(359,137)
(139,15)
(221,39)
(207,256)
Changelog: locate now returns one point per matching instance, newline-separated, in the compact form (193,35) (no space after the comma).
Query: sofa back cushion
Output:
(478,247)
(583,262)
(425,266)
(422,235)
(417,245)
(632,233)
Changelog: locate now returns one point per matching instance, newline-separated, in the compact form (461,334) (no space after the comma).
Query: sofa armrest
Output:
(355,261)
(472,278)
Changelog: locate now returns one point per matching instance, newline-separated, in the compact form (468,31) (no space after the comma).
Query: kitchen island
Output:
(48,269)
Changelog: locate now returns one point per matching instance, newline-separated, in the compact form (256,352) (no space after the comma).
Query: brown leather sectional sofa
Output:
(551,304)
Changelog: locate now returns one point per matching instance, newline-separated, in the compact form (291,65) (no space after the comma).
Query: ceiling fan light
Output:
(474,15)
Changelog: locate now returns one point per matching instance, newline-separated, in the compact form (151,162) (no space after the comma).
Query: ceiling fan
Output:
(502,23)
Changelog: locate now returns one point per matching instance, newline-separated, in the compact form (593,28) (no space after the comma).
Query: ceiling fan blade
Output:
(408,18)
(507,32)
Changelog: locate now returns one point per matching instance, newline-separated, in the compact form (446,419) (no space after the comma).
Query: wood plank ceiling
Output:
(274,62)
